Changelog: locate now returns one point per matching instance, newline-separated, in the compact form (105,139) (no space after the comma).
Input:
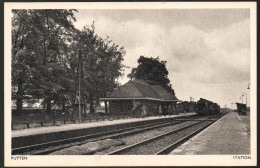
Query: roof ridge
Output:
(137,87)
(148,85)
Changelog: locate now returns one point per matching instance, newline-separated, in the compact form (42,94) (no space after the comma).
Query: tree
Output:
(45,59)
(102,64)
(38,42)
(110,67)
(152,69)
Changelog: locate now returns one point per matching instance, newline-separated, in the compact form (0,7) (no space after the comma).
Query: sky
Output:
(207,50)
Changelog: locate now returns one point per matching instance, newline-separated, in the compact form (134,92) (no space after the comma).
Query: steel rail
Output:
(118,133)
(173,146)
(130,147)
(99,136)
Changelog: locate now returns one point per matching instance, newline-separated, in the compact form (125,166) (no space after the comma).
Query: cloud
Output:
(199,62)
(221,56)
(203,55)
(232,38)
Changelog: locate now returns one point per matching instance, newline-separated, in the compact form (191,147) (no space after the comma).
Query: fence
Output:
(40,120)
(35,118)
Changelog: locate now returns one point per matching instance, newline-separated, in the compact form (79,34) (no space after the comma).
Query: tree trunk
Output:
(44,107)
(19,100)
(63,107)
(84,104)
(48,109)
(105,103)
(105,106)
(91,102)
(19,106)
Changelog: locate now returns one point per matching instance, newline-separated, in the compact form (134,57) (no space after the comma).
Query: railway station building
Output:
(186,106)
(141,98)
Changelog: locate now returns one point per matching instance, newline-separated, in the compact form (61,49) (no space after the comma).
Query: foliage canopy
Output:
(49,55)
(152,69)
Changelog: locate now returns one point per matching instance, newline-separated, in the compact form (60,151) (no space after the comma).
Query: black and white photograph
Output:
(130,84)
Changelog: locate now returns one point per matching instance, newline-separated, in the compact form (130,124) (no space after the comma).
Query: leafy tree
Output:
(102,64)
(152,69)
(38,43)
(110,67)
(47,52)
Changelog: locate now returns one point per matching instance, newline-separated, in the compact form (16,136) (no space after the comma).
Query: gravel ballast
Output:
(132,139)
(159,144)
(89,148)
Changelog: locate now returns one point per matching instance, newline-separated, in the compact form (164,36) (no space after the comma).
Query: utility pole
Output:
(79,75)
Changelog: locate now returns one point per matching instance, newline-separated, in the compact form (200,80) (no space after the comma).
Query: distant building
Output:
(141,98)
(241,108)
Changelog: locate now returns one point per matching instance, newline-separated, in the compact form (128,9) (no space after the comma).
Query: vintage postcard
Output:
(130,84)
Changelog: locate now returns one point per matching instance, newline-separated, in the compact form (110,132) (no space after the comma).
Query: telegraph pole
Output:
(79,75)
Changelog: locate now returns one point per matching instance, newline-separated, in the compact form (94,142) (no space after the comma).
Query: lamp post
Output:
(246,97)
(249,89)
(242,98)
(248,86)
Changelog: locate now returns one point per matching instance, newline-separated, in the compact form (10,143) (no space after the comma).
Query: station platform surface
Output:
(225,136)
(66,127)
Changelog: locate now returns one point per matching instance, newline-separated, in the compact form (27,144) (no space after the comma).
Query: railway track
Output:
(164,143)
(49,147)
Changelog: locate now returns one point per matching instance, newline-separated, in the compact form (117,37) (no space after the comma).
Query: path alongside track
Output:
(226,136)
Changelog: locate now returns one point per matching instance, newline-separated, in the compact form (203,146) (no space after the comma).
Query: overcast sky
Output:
(207,50)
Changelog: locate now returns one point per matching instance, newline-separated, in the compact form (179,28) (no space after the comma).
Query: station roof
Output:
(140,89)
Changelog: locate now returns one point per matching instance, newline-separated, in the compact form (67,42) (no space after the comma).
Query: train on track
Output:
(206,107)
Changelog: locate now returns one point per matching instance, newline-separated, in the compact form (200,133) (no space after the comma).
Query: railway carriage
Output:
(206,107)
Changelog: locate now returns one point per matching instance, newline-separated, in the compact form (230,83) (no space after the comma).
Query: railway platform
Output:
(225,136)
(32,136)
